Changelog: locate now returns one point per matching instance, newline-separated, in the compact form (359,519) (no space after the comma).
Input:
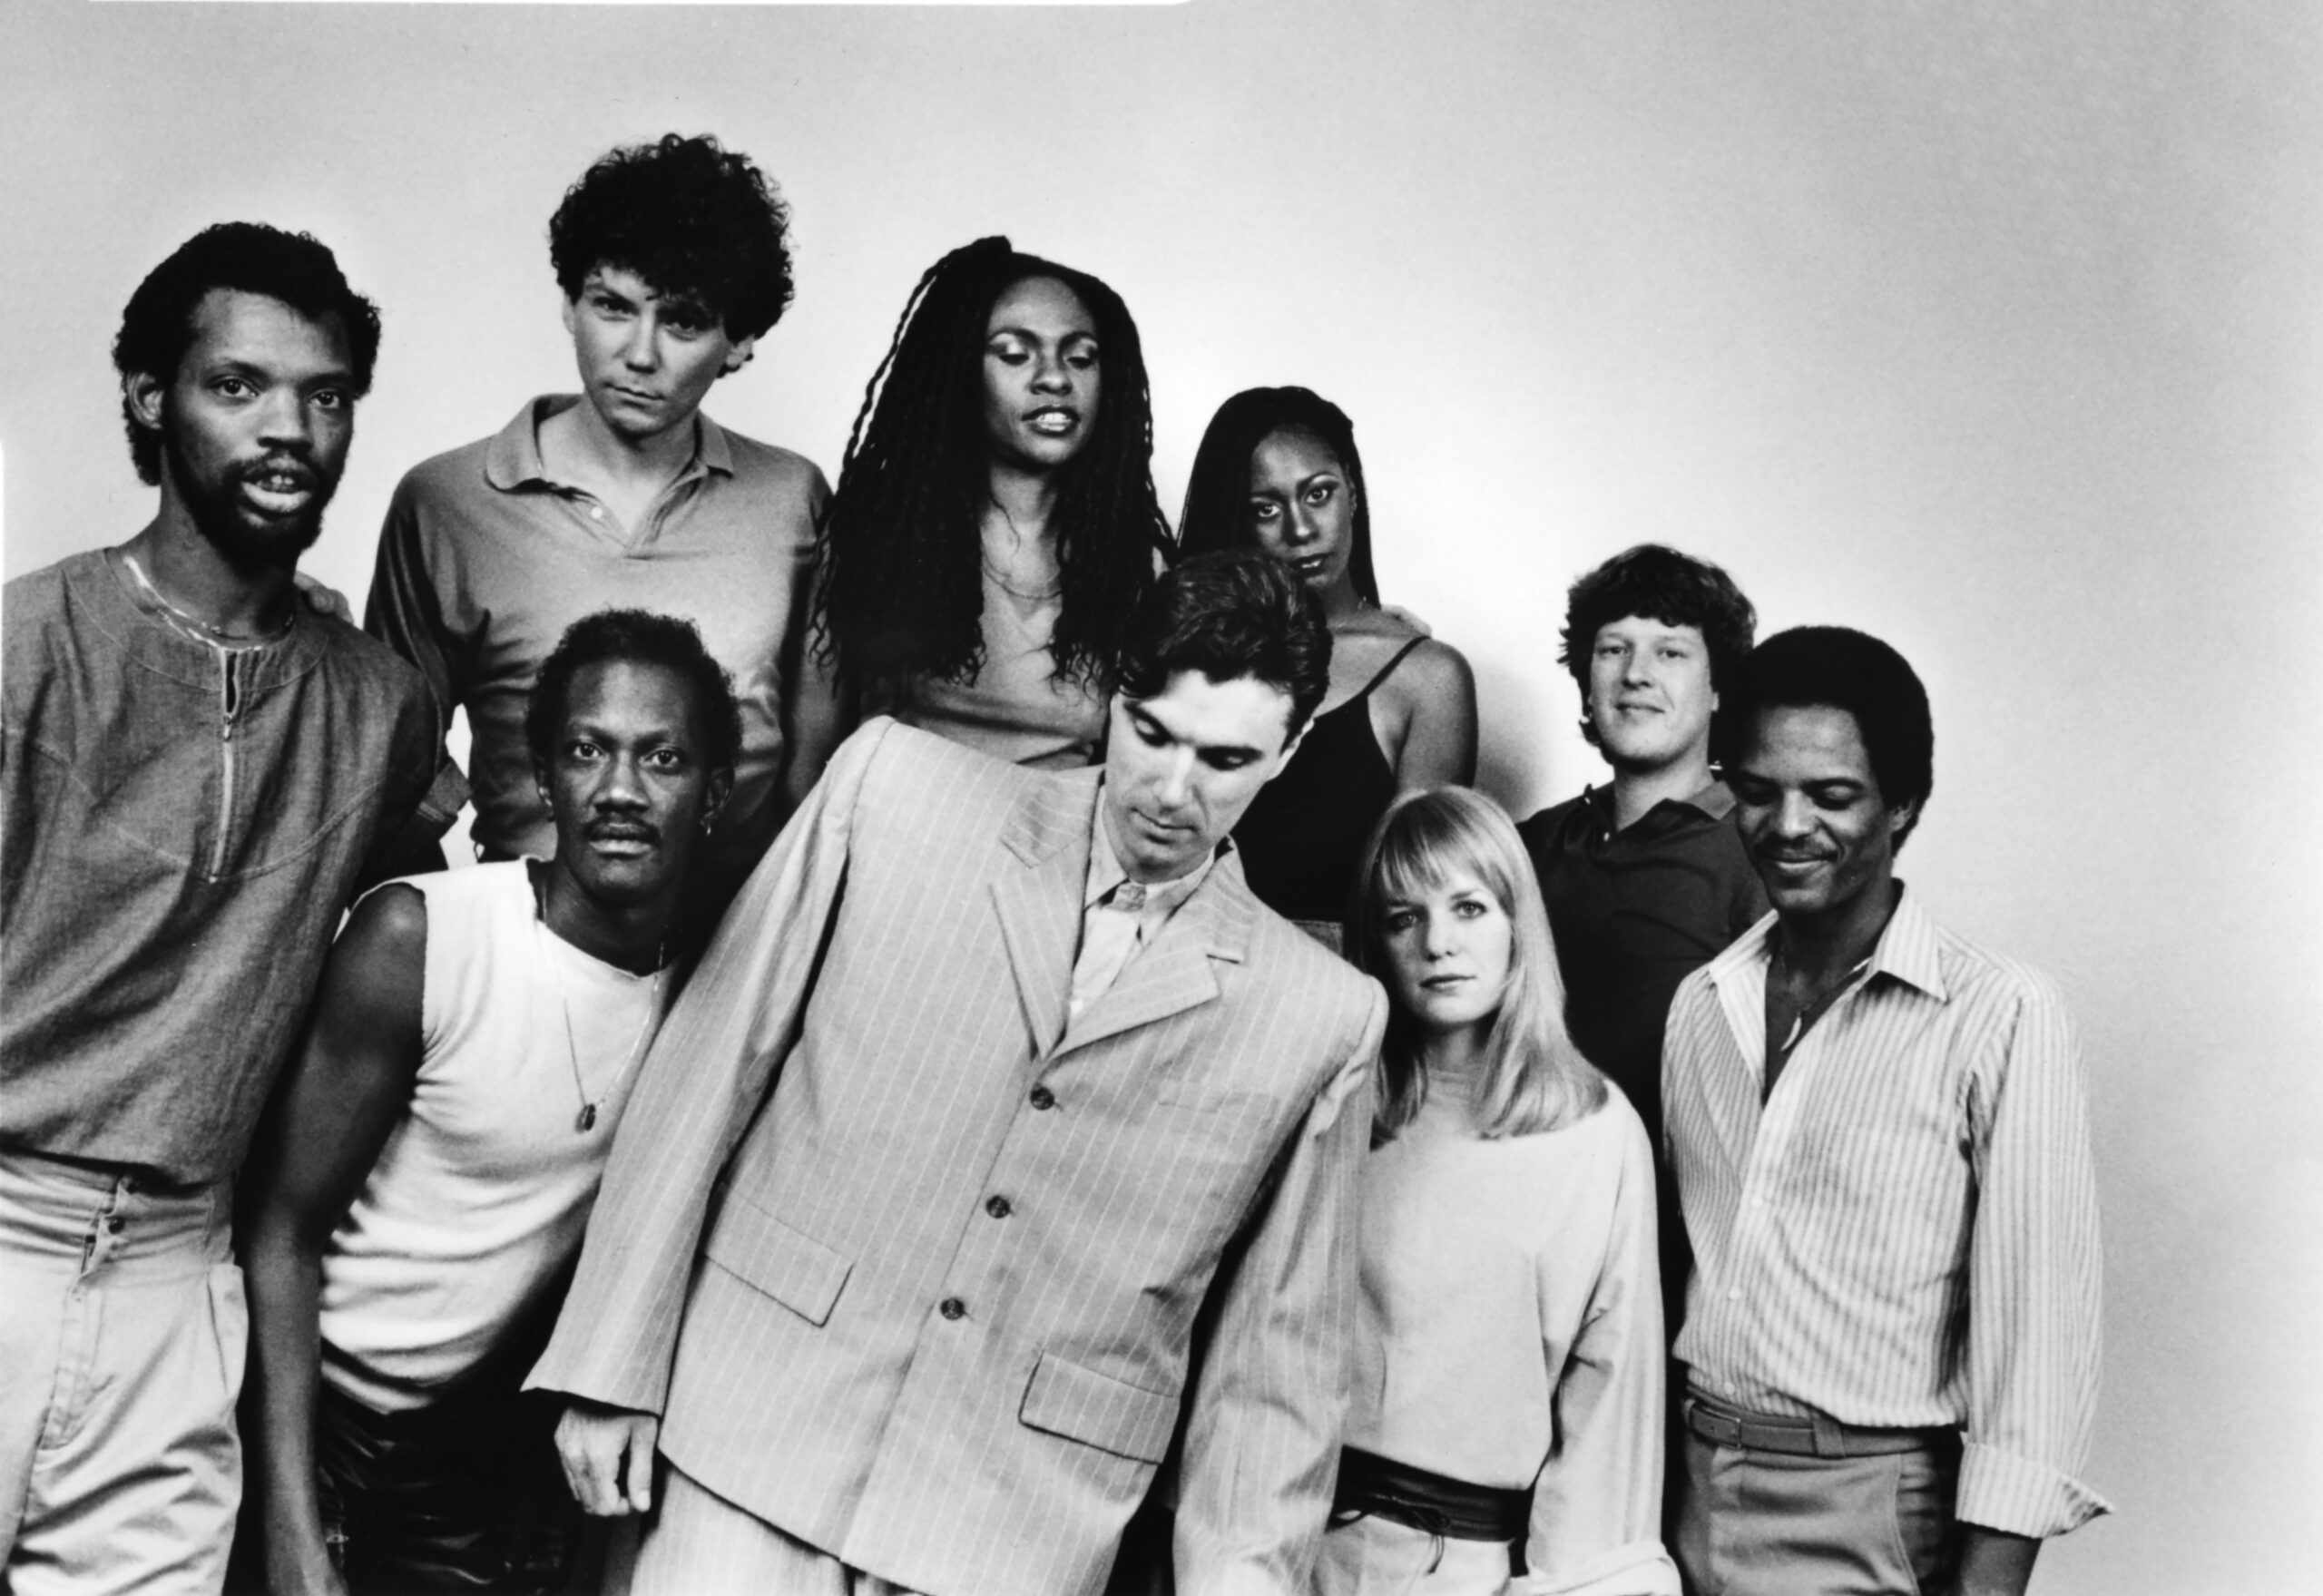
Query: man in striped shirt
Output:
(1882,1154)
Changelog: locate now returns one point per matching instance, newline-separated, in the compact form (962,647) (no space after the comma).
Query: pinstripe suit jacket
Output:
(909,1265)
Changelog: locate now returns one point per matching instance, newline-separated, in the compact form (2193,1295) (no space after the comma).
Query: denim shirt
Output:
(180,829)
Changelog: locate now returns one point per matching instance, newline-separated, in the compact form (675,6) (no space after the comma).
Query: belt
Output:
(1443,1506)
(1816,1436)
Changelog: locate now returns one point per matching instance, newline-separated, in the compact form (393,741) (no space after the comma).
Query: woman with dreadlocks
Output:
(1278,470)
(994,522)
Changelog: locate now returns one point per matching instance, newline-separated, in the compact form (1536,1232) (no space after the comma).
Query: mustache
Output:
(620,829)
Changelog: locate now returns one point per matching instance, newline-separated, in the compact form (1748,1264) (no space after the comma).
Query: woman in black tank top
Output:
(1278,470)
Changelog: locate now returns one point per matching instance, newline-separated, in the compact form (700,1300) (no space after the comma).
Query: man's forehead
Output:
(257,332)
(629,283)
(1240,712)
(1827,734)
(1639,622)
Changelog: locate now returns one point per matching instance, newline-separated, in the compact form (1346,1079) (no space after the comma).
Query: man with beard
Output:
(198,770)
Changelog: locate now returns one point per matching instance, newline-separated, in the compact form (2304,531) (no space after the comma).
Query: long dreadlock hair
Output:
(901,586)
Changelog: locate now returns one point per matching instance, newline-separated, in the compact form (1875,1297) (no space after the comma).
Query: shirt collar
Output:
(1908,949)
(1105,872)
(513,458)
(1713,801)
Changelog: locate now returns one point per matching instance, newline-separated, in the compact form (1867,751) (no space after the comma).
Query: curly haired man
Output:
(673,262)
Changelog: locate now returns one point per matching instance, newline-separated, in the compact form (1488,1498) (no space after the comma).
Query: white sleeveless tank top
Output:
(479,1197)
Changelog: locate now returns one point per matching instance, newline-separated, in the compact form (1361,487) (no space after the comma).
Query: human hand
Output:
(603,1450)
(322,598)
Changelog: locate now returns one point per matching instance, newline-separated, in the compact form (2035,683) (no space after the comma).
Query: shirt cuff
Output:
(2005,1491)
(447,795)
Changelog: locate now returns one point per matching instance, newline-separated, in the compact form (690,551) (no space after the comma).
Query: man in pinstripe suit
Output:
(991,1081)
(1882,1151)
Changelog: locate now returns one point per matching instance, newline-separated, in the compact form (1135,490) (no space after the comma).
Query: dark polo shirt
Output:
(1634,913)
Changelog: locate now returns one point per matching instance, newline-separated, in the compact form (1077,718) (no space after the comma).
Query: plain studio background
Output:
(1991,328)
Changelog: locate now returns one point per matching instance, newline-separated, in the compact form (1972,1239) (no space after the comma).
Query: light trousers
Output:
(1764,1524)
(698,1543)
(122,1331)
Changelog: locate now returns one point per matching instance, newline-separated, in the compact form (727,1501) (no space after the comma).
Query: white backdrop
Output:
(1990,327)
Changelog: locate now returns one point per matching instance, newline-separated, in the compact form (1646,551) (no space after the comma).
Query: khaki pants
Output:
(121,1336)
(1766,1523)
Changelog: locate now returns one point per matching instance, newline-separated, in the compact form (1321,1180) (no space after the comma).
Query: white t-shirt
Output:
(480,1194)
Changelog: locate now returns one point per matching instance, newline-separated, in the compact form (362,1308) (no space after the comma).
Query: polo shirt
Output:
(1634,912)
(486,559)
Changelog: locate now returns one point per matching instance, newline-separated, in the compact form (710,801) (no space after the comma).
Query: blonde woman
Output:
(1509,1371)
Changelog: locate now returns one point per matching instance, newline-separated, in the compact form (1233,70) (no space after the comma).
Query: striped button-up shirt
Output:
(1904,1233)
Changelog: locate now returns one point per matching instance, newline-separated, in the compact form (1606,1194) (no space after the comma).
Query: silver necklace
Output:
(587,1122)
(205,631)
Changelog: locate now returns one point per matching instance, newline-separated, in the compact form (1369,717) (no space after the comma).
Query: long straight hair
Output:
(1218,492)
(1534,1078)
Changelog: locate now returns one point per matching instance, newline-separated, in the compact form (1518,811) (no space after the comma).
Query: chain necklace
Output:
(207,632)
(587,1120)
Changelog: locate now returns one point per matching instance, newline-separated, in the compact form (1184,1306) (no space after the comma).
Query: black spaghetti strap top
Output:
(1302,838)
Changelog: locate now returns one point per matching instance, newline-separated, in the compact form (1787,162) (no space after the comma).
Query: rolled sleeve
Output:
(2033,1288)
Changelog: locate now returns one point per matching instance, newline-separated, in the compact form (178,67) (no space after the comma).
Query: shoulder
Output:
(773,466)
(1291,968)
(1431,671)
(38,600)
(1995,982)
(1539,826)
(452,475)
(901,768)
(388,923)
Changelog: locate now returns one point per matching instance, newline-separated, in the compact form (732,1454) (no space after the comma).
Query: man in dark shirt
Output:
(197,769)
(1645,880)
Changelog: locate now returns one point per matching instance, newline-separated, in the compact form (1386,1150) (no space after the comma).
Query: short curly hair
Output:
(247,257)
(1656,582)
(641,637)
(1840,668)
(694,219)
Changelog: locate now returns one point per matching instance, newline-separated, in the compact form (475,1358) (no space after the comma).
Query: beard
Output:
(227,524)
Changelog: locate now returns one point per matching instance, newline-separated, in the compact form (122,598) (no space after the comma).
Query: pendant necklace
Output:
(587,1120)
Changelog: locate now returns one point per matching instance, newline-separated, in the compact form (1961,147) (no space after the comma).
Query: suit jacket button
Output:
(997,1206)
(1042,1098)
(952,1308)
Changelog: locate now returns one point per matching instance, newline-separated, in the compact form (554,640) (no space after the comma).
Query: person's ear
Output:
(739,356)
(147,396)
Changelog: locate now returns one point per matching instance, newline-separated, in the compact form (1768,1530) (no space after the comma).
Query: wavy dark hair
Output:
(902,587)
(1229,613)
(1658,583)
(1840,668)
(638,637)
(157,325)
(1218,491)
(694,219)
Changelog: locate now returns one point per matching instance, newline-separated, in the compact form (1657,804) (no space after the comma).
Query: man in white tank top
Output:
(423,1180)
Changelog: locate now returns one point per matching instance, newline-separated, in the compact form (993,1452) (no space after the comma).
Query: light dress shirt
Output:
(1119,915)
(1904,1234)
